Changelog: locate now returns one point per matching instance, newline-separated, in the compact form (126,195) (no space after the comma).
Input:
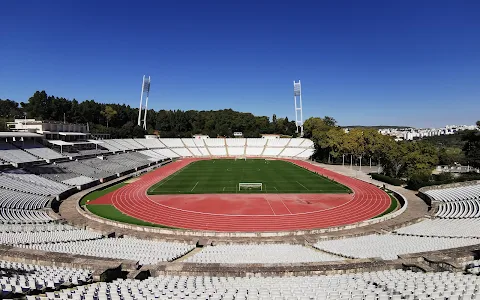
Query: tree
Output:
(109,113)
(478,124)
(472,148)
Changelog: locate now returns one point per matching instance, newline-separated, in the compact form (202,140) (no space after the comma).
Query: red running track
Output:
(248,212)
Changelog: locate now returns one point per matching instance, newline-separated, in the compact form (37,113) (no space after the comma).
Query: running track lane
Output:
(368,201)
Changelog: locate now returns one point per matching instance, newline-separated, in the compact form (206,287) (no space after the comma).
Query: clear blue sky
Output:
(363,62)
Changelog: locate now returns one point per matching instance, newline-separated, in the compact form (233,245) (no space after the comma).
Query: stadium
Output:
(222,218)
(231,179)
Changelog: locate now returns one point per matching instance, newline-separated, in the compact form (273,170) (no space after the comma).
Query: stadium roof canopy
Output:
(71,133)
(7,134)
(95,142)
(60,143)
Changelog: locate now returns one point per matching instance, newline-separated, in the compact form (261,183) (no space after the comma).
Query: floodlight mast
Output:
(146,90)
(297,98)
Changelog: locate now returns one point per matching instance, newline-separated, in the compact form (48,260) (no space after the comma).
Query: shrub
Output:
(387,179)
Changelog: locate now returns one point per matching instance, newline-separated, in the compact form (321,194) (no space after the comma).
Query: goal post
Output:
(250,186)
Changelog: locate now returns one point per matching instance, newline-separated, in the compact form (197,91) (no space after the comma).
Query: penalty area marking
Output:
(303,186)
(194,186)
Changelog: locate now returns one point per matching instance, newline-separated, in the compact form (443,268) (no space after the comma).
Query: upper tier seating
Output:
(255,151)
(195,151)
(215,142)
(291,152)
(54,172)
(166,152)
(232,142)
(189,142)
(236,151)
(38,150)
(172,143)
(259,253)
(272,151)
(150,143)
(183,152)
(278,142)
(296,142)
(10,153)
(82,169)
(256,142)
(389,246)
(218,151)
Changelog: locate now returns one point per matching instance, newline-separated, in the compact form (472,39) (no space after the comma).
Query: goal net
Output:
(250,186)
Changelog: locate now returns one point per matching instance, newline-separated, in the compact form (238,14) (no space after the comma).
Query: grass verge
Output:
(99,193)
(110,212)
(393,206)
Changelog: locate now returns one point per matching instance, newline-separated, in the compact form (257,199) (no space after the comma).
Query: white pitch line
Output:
(195,186)
(224,189)
(275,188)
(303,186)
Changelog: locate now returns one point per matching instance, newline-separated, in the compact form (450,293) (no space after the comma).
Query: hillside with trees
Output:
(121,120)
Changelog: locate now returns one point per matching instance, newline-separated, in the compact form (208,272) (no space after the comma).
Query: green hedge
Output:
(387,179)
(416,183)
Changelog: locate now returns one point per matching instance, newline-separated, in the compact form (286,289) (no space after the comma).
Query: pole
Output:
(145,115)
(351,161)
(360,163)
(343,160)
(141,100)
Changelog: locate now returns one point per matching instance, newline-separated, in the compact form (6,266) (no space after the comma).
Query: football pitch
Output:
(245,176)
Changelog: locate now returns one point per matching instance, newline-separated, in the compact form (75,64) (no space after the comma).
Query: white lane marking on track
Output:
(270,206)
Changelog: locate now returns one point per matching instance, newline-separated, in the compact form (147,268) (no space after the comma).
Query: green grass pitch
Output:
(224,176)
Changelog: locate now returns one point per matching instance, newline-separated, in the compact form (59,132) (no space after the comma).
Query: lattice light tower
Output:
(146,91)
(297,98)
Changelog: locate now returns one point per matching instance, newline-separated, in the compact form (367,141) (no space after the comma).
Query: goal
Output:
(250,186)
(241,158)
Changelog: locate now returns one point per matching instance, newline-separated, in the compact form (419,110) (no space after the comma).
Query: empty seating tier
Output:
(389,246)
(261,253)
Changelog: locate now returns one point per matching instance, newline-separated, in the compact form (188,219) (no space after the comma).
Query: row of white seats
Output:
(143,251)
(10,153)
(444,228)
(23,238)
(38,150)
(20,215)
(19,278)
(469,192)
(389,246)
(459,209)
(259,253)
(11,183)
(380,285)
(19,200)
(23,175)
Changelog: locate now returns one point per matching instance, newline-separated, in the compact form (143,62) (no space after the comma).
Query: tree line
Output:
(404,159)
(398,159)
(120,120)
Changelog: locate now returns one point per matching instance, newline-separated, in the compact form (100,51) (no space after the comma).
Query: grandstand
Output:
(369,265)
